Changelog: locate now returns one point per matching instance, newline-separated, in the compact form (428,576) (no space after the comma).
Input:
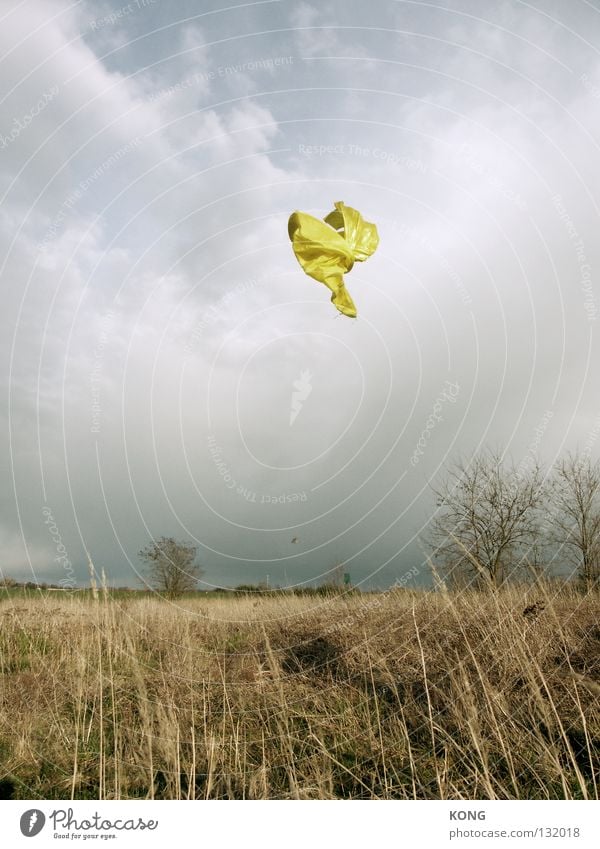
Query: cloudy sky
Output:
(167,367)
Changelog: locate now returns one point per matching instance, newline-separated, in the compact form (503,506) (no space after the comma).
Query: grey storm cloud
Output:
(157,326)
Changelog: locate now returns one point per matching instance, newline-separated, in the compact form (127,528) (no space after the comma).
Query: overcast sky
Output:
(168,369)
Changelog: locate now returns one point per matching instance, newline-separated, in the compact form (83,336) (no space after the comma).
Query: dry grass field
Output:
(398,695)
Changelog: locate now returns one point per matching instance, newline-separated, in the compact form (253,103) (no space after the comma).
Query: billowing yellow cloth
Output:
(327,249)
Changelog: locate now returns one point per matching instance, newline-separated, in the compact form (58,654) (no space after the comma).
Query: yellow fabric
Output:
(327,249)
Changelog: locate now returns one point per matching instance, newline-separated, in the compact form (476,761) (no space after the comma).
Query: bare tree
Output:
(486,521)
(171,566)
(575,525)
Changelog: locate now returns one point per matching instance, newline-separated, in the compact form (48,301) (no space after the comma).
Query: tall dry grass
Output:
(397,695)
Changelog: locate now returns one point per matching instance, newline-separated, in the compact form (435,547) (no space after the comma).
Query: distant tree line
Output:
(496,522)
(171,569)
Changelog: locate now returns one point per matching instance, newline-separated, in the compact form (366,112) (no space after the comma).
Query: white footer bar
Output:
(306,824)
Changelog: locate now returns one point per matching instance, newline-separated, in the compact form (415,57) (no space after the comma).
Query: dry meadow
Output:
(397,695)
